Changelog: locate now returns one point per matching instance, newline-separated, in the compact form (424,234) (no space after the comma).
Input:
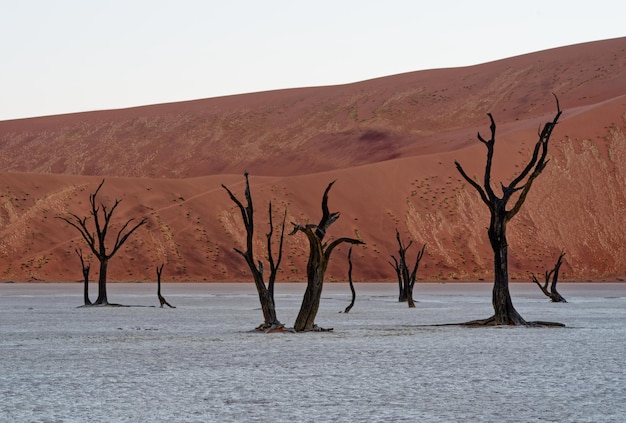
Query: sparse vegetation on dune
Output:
(391,142)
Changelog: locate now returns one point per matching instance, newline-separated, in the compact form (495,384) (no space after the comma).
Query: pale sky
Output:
(64,56)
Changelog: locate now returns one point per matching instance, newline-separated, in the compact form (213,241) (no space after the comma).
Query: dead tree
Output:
(85,268)
(319,255)
(406,279)
(554,274)
(159,271)
(347,310)
(101,216)
(504,312)
(266,292)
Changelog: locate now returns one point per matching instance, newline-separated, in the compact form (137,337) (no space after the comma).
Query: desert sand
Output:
(390,143)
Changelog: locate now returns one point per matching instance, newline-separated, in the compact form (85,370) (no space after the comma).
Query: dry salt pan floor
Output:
(201,362)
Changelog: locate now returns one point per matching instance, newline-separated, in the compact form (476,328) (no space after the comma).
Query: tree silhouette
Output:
(406,278)
(101,217)
(319,255)
(349,307)
(500,215)
(266,292)
(553,294)
(162,300)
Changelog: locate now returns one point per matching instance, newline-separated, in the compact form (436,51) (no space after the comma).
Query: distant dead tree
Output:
(554,274)
(101,216)
(159,271)
(85,268)
(406,278)
(319,255)
(266,292)
(347,310)
(504,312)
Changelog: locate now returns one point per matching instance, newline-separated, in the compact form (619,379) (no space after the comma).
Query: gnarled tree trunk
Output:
(319,255)
(102,282)
(504,312)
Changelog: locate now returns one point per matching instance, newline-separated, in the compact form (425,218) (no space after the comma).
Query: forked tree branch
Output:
(96,242)
(542,144)
(473,183)
(247,214)
(328,218)
(530,172)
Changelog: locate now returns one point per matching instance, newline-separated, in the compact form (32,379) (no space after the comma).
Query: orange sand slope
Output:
(390,143)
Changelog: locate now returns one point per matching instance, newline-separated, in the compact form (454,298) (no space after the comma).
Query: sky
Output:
(65,56)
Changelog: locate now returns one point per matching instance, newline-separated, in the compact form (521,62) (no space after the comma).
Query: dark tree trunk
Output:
(319,255)
(265,291)
(347,310)
(401,286)
(268,307)
(409,298)
(402,292)
(408,286)
(504,312)
(162,301)
(413,277)
(85,269)
(315,270)
(102,283)
(86,289)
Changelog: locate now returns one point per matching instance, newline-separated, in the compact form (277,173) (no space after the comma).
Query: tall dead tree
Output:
(500,215)
(101,216)
(162,301)
(347,310)
(406,278)
(85,268)
(266,292)
(553,294)
(319,255)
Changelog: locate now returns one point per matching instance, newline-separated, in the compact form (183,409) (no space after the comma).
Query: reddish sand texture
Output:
(390,143)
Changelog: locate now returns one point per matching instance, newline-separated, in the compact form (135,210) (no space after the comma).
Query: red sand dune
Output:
(391,144)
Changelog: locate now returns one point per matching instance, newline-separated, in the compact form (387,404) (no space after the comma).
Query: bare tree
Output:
(85,268)
(319,255)
(553,294)
(406,278)
(101,216)
(159,271)
(266,292)
(347,310)
(504,312)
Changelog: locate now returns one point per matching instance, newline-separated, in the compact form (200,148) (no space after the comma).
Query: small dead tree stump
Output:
(406,278)
(85,268)
(159,271)
(347,310)
(554,274)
